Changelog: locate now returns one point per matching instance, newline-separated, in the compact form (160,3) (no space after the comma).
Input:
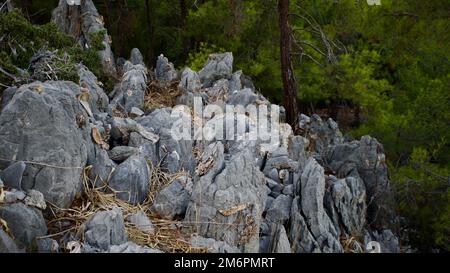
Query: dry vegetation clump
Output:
(161,95)
(168,235)
(352,244)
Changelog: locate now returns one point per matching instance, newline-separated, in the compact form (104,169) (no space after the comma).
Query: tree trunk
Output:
(287,73)
(183,25)
(150,32)
(122,28)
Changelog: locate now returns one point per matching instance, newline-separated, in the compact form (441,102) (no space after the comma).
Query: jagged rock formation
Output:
(81,21)
(130,91)
(300,193)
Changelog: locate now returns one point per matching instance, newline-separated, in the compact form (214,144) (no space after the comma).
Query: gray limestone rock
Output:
(105,228)
(218,66)
(190,81)
(131,180)
(165,70)
(47,245)
(227,201)
(136,57)
(12,175)
(121,153)
(212,245)
(311,225)
(345,201)
(83,22)
(7,244)
(42,124)
(172,201)
(141,221)
(24,222)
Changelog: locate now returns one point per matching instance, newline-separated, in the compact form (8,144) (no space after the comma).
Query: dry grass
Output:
(118,113)
(161,95)
(168,235)
(351,244)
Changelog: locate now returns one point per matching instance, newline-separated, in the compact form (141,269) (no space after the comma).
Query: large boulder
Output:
(24,222)
(45,125)
(228,199)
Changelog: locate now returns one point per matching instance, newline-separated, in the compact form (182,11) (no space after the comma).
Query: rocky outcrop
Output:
(321,234)
(295,193)
(322,133)
(365,160)
(227,201)
(190,81)
(97,99)
(345,202)
(83,22)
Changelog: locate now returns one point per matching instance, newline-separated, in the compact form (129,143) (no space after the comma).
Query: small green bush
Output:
(21,40)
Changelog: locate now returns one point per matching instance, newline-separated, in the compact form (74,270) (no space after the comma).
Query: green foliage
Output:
(21,40)
(96,39)
(423,197)
(197,59)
